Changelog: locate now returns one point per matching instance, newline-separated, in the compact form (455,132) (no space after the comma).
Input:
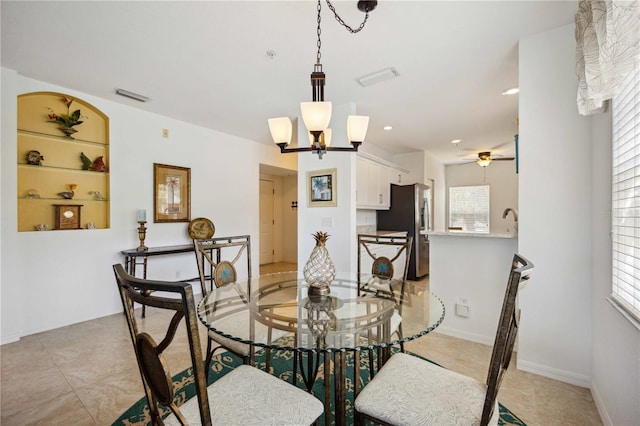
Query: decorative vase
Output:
(319,270)
(68,131)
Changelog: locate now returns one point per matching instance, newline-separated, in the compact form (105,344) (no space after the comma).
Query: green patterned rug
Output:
(281,364)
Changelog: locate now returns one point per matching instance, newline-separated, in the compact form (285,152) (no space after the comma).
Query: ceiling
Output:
(206,63)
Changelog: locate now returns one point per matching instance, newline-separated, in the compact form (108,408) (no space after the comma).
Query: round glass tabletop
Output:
(275,311)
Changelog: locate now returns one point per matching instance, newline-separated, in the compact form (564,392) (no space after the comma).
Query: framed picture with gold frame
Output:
(322,188)
(171,193)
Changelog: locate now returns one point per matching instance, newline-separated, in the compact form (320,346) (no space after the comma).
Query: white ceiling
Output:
(206,62)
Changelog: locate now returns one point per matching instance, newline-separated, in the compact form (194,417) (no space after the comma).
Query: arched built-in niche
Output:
(49,160)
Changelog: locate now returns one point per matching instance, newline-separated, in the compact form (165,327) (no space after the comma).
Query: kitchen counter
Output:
(371,230)
(469,234)
(470,270)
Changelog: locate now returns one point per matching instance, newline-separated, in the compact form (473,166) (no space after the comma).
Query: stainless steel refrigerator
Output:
(410,211)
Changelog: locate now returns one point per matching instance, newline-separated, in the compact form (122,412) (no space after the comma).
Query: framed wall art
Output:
(171,193)
(322,188)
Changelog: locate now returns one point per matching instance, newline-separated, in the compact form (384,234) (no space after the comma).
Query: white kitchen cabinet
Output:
(398,176)
(372,187)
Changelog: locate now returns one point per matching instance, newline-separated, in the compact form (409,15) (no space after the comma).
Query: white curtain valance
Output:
(607,47)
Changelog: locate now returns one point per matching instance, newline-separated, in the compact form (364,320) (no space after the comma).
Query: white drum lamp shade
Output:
(357,126)
(316,115)
(280,129)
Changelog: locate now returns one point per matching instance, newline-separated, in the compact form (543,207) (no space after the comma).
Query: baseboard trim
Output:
(472,337)
(602,409)
(9,339)
(554,373)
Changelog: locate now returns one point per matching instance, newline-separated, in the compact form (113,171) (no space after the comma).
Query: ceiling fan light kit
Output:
(484,159)
(317,114)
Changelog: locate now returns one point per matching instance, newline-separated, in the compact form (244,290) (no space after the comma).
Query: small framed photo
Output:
(322,188)
(171,193)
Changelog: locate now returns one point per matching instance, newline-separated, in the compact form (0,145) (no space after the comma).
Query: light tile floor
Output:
(86,374)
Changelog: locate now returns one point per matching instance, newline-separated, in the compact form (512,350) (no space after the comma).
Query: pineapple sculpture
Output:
(319,270)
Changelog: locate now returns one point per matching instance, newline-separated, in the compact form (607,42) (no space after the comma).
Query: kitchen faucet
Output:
(515,218)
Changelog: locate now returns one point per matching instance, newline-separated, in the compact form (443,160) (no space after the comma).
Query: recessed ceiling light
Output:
(511,91)
(387,127)
(456,141)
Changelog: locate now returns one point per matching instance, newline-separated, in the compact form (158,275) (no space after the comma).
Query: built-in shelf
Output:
(61,164)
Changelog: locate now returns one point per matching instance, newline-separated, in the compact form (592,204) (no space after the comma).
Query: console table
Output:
(135,257)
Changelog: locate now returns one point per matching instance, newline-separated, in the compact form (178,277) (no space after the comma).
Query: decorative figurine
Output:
(96,195)
(34,158)
(98,165)
(86,161)
(68,195)
(32,193)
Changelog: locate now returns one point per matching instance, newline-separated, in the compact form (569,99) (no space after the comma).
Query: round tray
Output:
(201,228)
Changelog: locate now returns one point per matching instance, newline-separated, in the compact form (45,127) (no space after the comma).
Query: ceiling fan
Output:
(484,158)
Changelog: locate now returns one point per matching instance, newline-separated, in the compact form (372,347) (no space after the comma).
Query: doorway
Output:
(278,233)
(267,221)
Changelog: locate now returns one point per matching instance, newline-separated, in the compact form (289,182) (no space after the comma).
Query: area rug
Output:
(281,366)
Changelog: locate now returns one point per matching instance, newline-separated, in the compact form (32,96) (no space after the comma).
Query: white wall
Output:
(503,182)
(435,170)
(52,279)
(555,205)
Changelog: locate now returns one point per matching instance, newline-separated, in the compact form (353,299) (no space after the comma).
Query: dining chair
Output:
(222,254)
(245,395)
(383,263)
(410,390)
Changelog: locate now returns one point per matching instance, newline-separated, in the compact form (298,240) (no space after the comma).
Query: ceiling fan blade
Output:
(503,159)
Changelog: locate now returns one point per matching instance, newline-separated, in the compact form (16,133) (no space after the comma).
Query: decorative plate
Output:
(201,228)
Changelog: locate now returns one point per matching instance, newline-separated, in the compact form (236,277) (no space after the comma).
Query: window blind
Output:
(469,208)
(626,195)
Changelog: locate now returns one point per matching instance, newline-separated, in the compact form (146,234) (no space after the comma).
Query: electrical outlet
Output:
(462,310)
(165,133)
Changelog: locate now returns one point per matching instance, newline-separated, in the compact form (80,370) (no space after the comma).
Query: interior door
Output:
(267,222)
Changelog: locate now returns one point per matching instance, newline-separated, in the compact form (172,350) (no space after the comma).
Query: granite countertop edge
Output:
(470,234)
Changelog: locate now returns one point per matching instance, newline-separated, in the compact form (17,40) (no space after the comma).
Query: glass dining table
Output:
(275,312)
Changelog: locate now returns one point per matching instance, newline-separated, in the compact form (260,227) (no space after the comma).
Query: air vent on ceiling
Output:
(378,76)
(132,95)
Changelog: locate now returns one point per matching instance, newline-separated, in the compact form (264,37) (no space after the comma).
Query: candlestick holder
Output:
(142,233)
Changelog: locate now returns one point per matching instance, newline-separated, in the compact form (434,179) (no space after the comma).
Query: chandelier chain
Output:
(341,21)
(318,55)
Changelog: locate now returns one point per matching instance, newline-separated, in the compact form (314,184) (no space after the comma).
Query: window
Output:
(469,208)
(625,210)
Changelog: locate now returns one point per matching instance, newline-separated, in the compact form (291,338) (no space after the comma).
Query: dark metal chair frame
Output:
(504,341)
(156,378)
(403,244)
(366,242)
(210,251)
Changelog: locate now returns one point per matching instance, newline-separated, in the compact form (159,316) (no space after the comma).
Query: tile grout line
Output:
(73,390)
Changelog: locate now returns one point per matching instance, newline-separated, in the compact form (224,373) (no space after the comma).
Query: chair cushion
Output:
(248,396)
(412,391)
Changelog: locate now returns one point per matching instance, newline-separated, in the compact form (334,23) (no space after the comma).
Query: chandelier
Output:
(317,113)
